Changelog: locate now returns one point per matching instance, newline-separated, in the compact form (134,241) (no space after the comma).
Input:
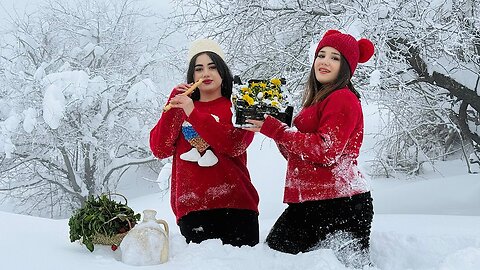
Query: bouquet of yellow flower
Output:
(258,91)
(257,98)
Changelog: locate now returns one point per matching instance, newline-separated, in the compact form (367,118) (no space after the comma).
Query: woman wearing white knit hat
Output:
(212,195)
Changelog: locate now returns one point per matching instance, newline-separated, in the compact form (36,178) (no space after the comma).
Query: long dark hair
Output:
(223,70)
(316,91)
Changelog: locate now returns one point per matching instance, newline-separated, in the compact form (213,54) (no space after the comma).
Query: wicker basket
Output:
(102,239)
(116,239)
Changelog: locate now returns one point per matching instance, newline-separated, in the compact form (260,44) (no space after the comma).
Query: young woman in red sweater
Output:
(212,195)
(329,203)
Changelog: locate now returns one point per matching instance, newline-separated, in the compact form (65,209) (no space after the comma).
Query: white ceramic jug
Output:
(147,242)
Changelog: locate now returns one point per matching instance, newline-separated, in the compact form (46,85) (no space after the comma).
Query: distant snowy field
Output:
(432,222)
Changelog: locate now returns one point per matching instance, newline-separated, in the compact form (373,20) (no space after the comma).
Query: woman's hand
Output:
(182,101)
(257,125)
(183,87)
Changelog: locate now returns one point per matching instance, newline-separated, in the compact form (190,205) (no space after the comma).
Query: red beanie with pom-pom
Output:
(354,51)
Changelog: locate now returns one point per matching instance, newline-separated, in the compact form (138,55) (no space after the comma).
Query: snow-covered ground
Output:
(428,223)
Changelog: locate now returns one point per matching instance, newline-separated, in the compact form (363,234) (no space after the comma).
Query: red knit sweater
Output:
(227,184)
(322,149)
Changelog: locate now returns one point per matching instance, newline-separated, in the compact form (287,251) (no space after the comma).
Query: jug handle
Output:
(165,225)
(164,252)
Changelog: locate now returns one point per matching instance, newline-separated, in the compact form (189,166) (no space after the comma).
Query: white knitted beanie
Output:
(204,45)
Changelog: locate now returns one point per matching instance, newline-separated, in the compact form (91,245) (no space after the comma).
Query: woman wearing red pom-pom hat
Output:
(329,202)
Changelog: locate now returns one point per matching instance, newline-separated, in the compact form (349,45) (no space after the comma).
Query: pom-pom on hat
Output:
(354,51)
(204,45)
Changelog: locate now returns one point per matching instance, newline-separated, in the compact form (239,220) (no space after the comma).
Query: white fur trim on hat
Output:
(204,45)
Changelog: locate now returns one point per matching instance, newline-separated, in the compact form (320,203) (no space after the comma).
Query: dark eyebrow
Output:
(209,64)
(332,52)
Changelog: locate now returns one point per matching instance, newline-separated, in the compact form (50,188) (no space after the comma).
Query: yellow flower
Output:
(246,90)
(248,99)
(263,92)
(276,82)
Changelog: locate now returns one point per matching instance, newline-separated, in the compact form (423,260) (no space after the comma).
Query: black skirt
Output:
(236,227)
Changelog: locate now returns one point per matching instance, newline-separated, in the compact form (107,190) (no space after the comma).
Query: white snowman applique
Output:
(199,146)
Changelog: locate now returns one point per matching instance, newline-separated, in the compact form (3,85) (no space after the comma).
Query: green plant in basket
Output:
(101,218)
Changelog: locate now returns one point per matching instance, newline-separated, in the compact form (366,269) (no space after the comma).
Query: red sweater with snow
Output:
(322,149)
(227,184)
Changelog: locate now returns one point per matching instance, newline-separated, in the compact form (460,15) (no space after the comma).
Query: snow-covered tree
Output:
(430,62)
(77,102)
(424,75)
(265,39)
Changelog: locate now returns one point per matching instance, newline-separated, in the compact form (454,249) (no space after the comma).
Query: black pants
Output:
(236,227)
(342,224)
